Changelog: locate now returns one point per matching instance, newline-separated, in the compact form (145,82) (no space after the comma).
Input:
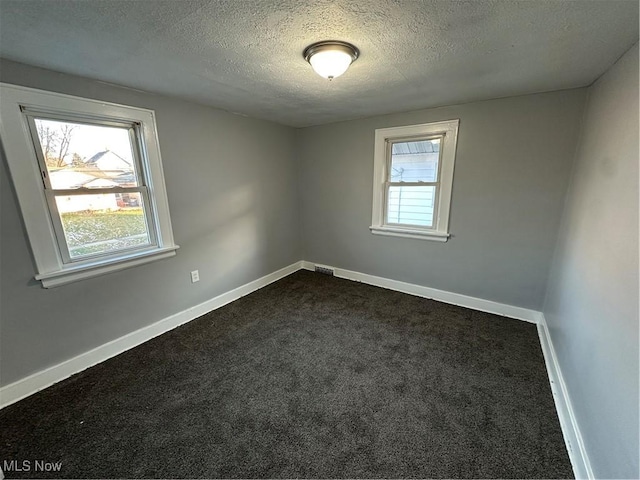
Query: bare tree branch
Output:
(67,131)
(48,141)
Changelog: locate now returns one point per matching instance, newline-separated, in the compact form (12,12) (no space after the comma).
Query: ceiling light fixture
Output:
(331,58)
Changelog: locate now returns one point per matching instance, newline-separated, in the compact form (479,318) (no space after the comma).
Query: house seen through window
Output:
(95,187)
(413,182)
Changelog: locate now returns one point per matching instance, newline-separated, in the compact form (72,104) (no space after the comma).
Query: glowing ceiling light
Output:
(330,59)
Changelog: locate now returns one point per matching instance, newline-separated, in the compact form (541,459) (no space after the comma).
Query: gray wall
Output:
(512,167)
(592,302)
(247,195)
(232,194)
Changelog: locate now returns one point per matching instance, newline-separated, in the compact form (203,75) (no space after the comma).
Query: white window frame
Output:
(384,138)
(53,266)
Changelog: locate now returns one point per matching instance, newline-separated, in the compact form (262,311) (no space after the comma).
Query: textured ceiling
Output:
(245,56)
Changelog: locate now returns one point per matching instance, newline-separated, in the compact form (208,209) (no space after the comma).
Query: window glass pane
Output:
(103,223)
(415,161)
(411,205)
(79,155)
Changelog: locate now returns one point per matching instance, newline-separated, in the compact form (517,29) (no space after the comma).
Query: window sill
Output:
(74,273)
(409,233)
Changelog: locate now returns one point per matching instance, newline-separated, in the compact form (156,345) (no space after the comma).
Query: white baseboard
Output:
(435,294)
(33,383)
(568,423)
(28,386)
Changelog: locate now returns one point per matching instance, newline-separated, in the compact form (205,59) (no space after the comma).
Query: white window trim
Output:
(25,173)
(383,136)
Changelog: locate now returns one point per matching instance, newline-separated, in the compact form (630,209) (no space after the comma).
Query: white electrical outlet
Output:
(195,276)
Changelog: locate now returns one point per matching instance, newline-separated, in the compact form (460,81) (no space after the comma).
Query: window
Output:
(413,177)
(89,181)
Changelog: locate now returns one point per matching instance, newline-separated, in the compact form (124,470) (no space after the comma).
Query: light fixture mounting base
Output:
(349,49)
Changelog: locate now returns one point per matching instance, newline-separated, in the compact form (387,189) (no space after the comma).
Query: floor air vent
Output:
(324,270)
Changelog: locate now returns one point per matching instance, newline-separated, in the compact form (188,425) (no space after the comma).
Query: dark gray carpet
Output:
(312,376)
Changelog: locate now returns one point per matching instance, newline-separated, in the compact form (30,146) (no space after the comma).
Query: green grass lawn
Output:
(98,232)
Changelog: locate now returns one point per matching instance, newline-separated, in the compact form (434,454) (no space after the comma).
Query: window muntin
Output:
(413,180)
(88,170)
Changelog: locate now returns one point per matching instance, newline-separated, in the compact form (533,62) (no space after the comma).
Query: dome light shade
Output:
(330,59)
(330,63)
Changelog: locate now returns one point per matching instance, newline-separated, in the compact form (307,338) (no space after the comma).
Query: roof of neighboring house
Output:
(100,183)
(412,147)
(72,178)
(108,155)
(112,171)
(125,178)
(63,179)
